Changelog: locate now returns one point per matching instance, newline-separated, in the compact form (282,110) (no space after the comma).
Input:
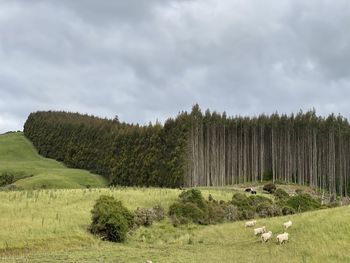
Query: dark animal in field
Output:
(253,192)
(248,190)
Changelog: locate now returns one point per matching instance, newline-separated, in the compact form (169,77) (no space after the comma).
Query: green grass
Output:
(52,225)
(32,171)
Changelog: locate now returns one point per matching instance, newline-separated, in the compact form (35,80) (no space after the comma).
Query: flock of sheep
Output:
(266,236)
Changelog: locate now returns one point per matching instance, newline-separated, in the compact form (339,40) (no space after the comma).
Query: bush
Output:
(271,188)
(240,200)
(6,179)
(194,196)
(281,194)
(231,212)
(255,200)
(303,202)
(299,191)
(184,213)
(110,219)
(146,216)
(216,213)
(287,210)
(268,210)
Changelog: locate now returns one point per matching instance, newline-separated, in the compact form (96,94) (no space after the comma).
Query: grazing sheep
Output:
(253,192)
(259,230)
(266,236)
(250,223)
(282,237)
(287,225)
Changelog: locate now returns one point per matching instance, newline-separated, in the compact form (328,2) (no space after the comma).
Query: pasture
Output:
(52,225)
(32,171)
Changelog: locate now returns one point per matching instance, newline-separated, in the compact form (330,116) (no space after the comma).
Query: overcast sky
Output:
(149,59)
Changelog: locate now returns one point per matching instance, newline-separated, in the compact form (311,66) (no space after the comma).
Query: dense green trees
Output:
(199,149)
(152,155)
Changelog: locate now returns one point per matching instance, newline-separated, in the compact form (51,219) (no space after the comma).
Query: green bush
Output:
(6,179)
(240,200)
(281,194)
(184,213)
(271,188)
(255,200)
(287,210)
(110,219)
(194,196)
(303,202)
(267,209)
(216,213)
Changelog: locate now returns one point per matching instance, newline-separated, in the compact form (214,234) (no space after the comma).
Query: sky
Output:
(146,60)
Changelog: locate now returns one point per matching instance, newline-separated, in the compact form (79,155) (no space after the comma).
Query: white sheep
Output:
(282,237)
(288,224)
(250,223)
(266,236)
(259,230)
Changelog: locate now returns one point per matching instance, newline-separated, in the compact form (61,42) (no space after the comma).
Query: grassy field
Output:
(51,226)
(32,171)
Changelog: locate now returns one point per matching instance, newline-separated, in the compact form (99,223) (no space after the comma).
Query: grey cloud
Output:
(147,60)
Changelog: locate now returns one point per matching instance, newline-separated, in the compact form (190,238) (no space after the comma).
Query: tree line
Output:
(201,149)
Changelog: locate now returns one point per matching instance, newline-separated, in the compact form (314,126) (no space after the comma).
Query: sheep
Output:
(250,223)
(266,236)
(282,237)
(288,224)
(259,230)
(248,189)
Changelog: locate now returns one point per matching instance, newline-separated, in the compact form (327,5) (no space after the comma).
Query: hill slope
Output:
(19,158)
(52,225)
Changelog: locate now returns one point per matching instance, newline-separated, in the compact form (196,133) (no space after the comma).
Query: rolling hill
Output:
(19,158)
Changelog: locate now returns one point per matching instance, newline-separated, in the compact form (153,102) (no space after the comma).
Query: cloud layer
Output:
(147,60)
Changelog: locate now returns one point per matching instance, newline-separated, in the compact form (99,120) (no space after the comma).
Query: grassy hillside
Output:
(51,226)
(20,158)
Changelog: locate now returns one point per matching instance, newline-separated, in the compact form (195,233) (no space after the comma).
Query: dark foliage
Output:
(146,216)
(271,188)
(281,194)
(110,219)
(152,155)
(6,179)
(303,202)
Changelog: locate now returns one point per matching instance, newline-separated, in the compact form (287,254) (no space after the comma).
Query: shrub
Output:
(184,213)
(268,210)
(6,179)
(299,191)
(281,194)
(240,200)
(271,188)
(303,202)
(146,216)
(158,213)
(143,217)
(194,196)
(255,200)
(216,213)
(287,210)
(231,212)
(110,219)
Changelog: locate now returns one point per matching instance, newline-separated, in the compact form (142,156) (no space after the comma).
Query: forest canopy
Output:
(201,149)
